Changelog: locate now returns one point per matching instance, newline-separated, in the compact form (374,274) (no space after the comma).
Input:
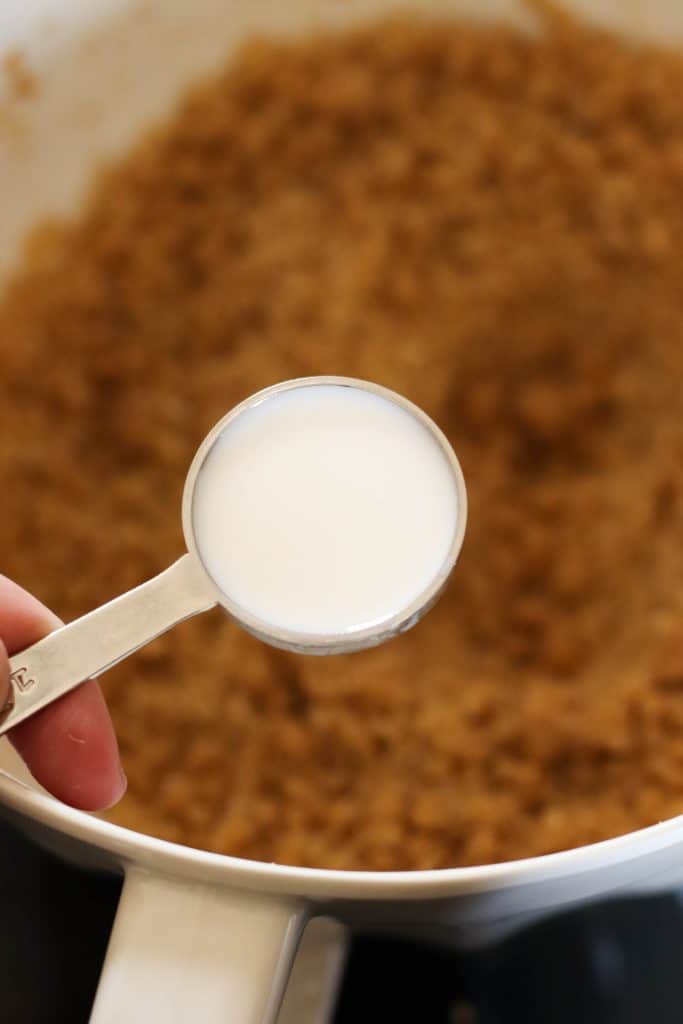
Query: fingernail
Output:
(52,621)
(118,792)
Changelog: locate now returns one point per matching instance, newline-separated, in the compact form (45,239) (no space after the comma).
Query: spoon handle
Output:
(88,646)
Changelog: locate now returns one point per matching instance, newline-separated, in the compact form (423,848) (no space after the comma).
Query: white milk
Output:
(325,509)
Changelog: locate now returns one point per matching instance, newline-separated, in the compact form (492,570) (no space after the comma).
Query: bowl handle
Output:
(188,952)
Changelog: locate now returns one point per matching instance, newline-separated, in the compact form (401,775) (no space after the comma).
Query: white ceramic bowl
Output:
(200,937)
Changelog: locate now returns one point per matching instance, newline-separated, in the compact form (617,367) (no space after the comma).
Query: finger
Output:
(71,749)
(70,746)
(23,619)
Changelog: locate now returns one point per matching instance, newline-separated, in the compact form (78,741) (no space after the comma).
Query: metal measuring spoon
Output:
(90,645)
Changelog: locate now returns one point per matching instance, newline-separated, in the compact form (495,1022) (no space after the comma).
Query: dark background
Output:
(618,962)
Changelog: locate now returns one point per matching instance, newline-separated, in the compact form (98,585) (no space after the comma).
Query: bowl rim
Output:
(127,849)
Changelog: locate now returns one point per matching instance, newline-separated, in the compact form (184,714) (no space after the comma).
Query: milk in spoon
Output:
(327,509)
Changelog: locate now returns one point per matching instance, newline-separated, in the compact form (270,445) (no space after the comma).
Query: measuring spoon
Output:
(90,645)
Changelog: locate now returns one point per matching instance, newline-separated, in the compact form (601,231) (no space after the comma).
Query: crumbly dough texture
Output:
(492,225)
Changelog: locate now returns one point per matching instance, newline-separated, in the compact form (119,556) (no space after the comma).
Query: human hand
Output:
(70,746)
